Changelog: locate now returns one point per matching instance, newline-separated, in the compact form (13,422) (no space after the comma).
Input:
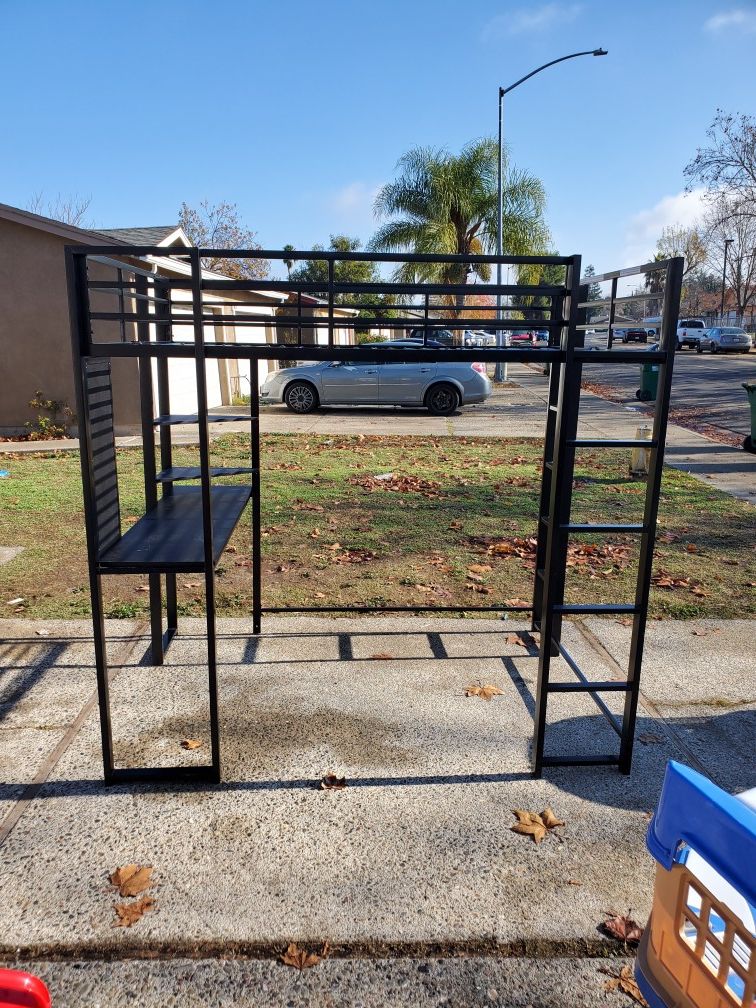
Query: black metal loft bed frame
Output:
(185,528)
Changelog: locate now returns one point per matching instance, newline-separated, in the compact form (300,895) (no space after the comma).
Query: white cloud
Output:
(645,227)
(739,19)
(530,19)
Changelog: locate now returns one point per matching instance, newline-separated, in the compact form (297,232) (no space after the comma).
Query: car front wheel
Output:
(301,397)
(442,399)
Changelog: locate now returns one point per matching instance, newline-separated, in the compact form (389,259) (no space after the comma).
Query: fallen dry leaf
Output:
(129,913)
(299,958)
(705,633)
(624,981)
(479,568)
(484,691)
(381,655)
(332,783)
(648,738)
(456,524)
(514,638)
(131,879)
(192,584)
(191,743)
(42,633)
(623,928)
(691,548)
(143,588)
(534,825)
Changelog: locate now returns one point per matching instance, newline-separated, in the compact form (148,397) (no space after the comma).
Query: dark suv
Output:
(433,336)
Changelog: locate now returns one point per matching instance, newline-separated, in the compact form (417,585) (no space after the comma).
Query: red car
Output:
(522,336)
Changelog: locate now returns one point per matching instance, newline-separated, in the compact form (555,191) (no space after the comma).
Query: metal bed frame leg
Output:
(103,683)
(256,531)
(171,602)
(156,619)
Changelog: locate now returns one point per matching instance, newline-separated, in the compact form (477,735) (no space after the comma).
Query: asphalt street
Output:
(710,386)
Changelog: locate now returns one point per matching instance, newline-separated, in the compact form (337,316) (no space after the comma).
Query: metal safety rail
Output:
(185,528)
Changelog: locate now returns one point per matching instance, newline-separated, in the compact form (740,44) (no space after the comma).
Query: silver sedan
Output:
(441,387)
(724,338)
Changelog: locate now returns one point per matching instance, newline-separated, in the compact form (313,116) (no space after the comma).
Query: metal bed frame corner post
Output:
(668,343)
(562,419)
(81,341)
(207,516)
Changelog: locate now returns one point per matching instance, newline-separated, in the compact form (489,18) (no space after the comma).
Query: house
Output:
(35,341)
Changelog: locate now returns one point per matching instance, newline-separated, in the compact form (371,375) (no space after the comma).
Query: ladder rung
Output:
(587,761)
(602,528)
(611,686)
(610,443)
(594,609)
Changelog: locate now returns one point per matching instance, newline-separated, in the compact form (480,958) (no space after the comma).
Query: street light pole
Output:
(727,243)
(500,373)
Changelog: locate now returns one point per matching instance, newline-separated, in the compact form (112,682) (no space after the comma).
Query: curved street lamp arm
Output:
(588,52)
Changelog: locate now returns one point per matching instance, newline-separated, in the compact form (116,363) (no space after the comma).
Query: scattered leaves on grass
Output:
(382,655)
(332,783)
(191,743)
(301,959)
(622,927)
(624,981)
(534,825)
(484,690)
(398,484)
(131,879)
(130,913)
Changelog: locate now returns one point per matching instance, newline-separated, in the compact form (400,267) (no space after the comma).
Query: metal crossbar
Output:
(185,528)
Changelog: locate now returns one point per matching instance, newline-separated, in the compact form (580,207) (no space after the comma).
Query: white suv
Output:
(689,333)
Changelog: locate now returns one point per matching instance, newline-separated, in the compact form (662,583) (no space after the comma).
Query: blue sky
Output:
(297,111)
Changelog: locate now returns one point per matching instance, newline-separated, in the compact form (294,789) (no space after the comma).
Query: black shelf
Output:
(194,472)
(193,418)
(168,539)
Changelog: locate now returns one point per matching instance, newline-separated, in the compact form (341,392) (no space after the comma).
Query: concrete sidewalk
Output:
(415,854)
(517,410)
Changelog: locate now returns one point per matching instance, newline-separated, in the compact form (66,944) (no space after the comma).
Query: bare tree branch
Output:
(218,226)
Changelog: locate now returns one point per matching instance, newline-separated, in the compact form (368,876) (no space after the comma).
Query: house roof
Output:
(164,234)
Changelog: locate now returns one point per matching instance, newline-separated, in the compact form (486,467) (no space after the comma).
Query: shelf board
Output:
(195,473)
(168,539)
(193,418)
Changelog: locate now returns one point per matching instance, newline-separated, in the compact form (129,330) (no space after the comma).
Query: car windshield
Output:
(732,331)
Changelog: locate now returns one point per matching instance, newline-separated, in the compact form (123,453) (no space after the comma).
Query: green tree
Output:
(348,271)
(447,203)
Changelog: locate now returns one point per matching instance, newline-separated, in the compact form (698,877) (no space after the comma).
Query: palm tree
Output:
(288,263)
(447,203)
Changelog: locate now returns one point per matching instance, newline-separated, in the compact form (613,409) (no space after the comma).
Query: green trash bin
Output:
(749,441)
(649,382)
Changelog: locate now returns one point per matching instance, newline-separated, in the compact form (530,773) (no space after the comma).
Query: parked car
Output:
(522,336)
(723,339)
(636,335)
(443,336)
(689,332)
(440,386)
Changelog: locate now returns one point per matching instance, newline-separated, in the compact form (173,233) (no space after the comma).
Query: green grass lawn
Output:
(451,526)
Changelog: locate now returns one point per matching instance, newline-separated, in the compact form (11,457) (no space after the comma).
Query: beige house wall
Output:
(35,337)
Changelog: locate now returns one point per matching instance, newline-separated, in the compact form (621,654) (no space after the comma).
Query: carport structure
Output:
(190,512)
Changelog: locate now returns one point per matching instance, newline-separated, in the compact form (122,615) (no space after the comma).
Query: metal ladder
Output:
(555,526)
